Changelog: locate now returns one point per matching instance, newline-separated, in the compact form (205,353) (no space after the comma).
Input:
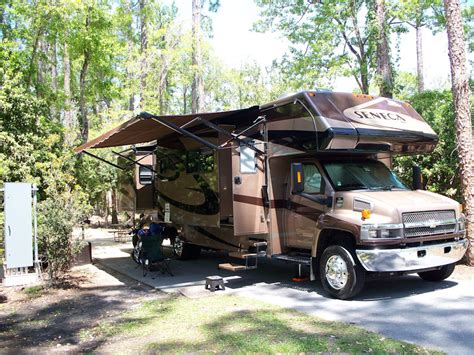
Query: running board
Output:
(304,260)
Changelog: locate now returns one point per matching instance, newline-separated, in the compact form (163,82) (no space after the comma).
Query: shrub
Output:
(57,216)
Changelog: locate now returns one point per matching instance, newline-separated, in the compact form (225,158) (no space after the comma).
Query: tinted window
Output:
(312,179)
(364,174)
(199,162)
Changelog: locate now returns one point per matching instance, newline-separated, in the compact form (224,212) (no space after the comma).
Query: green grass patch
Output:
(234,324)
(34,291)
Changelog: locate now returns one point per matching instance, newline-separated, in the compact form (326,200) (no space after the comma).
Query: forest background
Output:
(71,69)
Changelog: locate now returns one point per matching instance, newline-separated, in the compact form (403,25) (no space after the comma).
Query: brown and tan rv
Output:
(304,179)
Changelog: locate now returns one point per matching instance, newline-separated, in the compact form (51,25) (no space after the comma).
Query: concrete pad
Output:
(436,315)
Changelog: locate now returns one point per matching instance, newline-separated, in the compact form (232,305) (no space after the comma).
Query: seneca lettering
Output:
(380,115)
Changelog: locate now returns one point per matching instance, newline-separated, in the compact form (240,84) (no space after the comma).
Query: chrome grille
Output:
(418,224)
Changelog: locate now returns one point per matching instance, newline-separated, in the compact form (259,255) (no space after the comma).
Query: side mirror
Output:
(145,175)
(297,178)
(417,179)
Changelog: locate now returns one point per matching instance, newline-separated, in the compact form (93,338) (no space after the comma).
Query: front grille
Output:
(418,224)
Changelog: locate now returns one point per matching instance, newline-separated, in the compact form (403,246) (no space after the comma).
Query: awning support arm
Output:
(102,159)
(178,129)
(258,121)
(228,134)
(135,162)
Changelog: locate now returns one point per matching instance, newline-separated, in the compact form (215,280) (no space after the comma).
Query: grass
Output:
(234,324)
(34,291)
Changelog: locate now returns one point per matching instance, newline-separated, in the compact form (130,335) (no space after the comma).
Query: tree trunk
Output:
(54,66)
(419,58)
(197,89)
(68,117)
(384,71)
(84,121)
(143,50)
(114,207)
(33,57)
(185,99)
(130,45)
(462,109)
(364,76)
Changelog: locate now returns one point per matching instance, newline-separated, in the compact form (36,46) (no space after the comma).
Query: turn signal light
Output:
(298,174)
(365,214)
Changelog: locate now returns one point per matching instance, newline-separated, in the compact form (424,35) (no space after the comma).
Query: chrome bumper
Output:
(423,257)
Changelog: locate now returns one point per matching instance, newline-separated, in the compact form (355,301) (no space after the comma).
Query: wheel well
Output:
(329,237)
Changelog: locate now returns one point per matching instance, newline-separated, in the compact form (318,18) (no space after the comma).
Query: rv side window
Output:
(247,160)
(145,175)
(313,182)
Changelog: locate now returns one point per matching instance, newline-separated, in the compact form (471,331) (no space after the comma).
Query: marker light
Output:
(365,214)
(298,177)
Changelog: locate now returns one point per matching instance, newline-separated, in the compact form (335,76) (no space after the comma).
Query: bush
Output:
(57,216)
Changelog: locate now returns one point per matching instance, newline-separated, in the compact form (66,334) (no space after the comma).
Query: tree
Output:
(419,14)
(197,88)
(143,48)
(384,70)
(328,38)
(462,109)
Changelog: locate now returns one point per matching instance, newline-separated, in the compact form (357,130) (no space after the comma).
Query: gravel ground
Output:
(55,319)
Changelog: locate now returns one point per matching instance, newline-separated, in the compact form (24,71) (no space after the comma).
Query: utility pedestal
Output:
(19,202)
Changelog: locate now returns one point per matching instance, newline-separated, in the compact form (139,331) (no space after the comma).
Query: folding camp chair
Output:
(152,255)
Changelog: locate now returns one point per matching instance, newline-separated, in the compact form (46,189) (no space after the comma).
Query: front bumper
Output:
(409,259)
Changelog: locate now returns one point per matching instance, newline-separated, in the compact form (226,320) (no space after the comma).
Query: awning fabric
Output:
(143,129)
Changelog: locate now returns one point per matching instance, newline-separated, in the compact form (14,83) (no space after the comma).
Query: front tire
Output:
(339,276)
(438,275)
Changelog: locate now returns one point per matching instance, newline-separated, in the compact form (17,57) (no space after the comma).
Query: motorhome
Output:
(305,179)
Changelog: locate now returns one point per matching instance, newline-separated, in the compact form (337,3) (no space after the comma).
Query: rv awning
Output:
(143,128)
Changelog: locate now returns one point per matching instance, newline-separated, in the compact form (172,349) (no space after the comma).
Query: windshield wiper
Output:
(351,187)
(383,188)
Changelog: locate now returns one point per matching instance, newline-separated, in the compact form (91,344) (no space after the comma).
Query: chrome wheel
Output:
(336,272)
(178,246)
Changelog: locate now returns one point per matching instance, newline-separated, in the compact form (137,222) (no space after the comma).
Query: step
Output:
(259,244)
(242,254)
(304,260)
(232,267)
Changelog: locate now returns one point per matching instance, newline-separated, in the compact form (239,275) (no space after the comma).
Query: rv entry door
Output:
(248,179)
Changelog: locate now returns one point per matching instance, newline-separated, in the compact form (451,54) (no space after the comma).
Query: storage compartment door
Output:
(248,179)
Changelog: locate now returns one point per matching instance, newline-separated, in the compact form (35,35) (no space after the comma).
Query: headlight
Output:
(461,222)
(381,231)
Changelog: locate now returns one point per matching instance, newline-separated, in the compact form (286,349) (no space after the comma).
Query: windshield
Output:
(364,174)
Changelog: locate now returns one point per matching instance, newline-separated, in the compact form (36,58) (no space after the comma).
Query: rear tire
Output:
(185,251)
(340,278)
(137,252)
(438,275)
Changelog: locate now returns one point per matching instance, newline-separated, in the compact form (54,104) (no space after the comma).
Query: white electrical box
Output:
(18,224)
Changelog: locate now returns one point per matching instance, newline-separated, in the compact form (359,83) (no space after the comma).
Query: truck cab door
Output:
(305,207)
(248,178)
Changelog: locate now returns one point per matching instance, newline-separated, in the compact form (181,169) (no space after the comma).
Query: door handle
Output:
(9,231)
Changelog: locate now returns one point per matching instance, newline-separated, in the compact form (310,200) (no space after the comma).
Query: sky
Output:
(235,43)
